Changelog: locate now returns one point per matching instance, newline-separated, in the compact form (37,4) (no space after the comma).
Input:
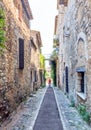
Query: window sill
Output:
(82,95)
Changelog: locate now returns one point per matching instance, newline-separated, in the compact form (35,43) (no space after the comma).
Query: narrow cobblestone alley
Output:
(48,117)
(40,112)
(45,65)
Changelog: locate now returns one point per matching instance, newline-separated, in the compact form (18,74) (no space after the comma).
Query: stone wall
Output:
(35,61)
(14,82)
(76,50)
(77,22)
(59,24)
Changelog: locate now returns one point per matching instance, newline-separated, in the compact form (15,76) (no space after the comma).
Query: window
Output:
(35,75)
(82,82)
(31,75)
(81,85)
(81,79)
(66,78)
(21,53)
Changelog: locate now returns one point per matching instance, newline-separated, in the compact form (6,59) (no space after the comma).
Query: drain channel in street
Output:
(48,117)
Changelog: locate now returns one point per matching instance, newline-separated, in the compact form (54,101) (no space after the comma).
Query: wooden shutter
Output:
(21,53)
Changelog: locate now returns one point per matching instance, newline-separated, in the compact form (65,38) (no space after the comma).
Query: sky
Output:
(44,12)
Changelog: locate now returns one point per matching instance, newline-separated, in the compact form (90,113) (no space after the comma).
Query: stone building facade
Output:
(58,40)
(36,44)
(15,61)
(75,50)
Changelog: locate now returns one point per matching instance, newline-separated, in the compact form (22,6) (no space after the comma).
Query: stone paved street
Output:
(26,115)
(69,115)
(45,65)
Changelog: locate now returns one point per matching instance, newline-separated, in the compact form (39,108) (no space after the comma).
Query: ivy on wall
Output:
(53,72)
(42,67)
(42,61)
(2,29)
(53,65)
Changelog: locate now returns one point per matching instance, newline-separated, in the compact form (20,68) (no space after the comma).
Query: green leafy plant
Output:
(86,117)
(83,112)
(43,86)
(42,61)
(81,109)
(2,29)
(55,42)
(72,103)
(53,71)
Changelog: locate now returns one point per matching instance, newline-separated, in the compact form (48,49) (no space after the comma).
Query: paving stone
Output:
(24,118)
(70,115)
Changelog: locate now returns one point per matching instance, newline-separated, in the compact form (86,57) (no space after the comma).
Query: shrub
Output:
(83,112)
(72,103)
(86,117)
(43,86)
(81,109)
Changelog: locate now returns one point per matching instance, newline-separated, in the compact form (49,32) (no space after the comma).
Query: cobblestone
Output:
(70,116)
(25,116)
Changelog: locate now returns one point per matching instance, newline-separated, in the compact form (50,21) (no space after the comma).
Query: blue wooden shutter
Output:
(21,53)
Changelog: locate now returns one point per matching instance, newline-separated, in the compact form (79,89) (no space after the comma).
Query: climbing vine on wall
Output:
(53,72)
(53,66)
(2,29)
(42,61)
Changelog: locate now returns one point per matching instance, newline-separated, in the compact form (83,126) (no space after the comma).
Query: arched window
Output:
(81,52)
(81,68)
